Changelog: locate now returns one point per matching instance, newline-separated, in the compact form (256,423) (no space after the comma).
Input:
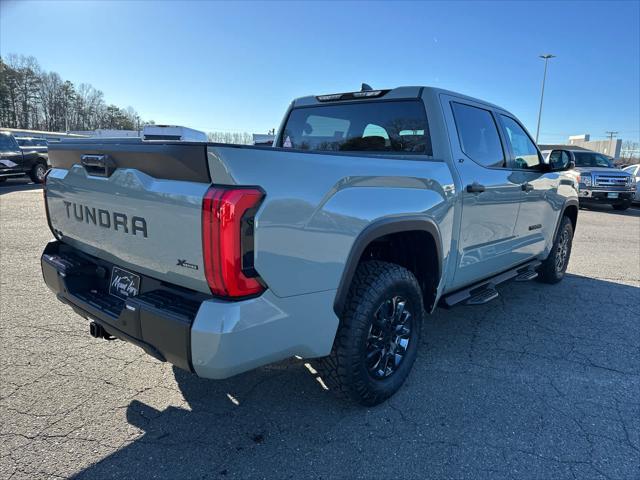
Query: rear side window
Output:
(525,153)
(387,127)
(478,135)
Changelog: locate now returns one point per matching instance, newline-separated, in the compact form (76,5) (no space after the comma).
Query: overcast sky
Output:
(236,66)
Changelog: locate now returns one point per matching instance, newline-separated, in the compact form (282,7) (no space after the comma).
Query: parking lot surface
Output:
(543,383)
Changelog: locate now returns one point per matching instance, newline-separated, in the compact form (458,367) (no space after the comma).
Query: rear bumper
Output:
(158,320)
(211,337)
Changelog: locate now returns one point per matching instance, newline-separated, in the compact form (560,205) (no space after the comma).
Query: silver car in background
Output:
(634,171)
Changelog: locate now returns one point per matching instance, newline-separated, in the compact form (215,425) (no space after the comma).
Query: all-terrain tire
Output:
(380,292)
(554,267)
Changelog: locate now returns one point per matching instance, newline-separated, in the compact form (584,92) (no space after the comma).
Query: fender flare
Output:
(568,203)
(373,231)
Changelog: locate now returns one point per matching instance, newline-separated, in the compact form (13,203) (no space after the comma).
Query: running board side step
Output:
(485,295)
(526,276)
(485,291)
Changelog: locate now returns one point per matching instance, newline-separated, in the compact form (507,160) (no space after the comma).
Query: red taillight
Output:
(225,240)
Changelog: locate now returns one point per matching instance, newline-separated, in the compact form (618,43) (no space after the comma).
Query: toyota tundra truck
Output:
(372,209)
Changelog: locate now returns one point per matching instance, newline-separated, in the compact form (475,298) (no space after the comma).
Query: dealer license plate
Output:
(124,284)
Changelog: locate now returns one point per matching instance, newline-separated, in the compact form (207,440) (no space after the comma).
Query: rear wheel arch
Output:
(421,253)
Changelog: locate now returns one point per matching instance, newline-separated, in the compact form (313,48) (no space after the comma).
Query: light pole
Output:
(546,58)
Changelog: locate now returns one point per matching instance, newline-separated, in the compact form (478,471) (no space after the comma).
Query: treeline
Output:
(241,138)
(32,98)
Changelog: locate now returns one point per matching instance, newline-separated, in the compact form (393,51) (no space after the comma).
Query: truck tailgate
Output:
(130,217)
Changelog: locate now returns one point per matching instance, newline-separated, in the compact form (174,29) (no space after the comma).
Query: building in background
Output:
(107,133)
(610,147)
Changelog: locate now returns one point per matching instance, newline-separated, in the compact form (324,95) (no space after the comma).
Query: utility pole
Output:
(546,58)
(611,135)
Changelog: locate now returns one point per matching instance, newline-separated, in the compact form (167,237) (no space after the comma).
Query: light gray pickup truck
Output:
(371,209)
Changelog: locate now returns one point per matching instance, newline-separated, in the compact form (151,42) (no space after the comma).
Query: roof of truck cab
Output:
(393,93)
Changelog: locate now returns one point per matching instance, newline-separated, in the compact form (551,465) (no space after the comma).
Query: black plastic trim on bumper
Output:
(602,197)
(158,320)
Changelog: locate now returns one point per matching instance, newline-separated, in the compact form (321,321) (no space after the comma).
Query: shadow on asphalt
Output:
(467,392)
(632,211)
(18,185)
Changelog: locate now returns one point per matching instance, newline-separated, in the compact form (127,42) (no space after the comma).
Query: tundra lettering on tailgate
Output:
(106,219)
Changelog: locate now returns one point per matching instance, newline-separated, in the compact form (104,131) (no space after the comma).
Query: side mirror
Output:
(561,160)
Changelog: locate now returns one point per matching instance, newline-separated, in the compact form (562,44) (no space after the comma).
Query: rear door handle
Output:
(475,188)
(527,187)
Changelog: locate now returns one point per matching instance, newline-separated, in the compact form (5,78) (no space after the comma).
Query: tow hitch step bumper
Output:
(158,320)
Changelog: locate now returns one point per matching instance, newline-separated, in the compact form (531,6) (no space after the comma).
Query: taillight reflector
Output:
(223,210)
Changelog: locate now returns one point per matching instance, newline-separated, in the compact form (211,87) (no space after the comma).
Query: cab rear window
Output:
(393,127)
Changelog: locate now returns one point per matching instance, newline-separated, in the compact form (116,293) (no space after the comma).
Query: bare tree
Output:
(630,151)
(33,99)
(238,138)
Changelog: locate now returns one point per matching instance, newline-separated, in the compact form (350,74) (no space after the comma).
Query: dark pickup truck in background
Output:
(600,181)
(17,160)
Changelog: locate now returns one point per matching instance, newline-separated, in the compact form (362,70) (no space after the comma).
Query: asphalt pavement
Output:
(542,383)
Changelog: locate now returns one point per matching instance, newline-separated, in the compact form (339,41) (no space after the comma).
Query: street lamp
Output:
(546,58)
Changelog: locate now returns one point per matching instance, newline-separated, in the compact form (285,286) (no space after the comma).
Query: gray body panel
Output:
(172,211)
(311,216)
(232,337)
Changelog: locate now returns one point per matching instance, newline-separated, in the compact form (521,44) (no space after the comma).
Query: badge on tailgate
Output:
(124,284)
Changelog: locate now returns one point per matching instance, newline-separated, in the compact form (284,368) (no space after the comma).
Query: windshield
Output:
(391,127)
(589,159)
